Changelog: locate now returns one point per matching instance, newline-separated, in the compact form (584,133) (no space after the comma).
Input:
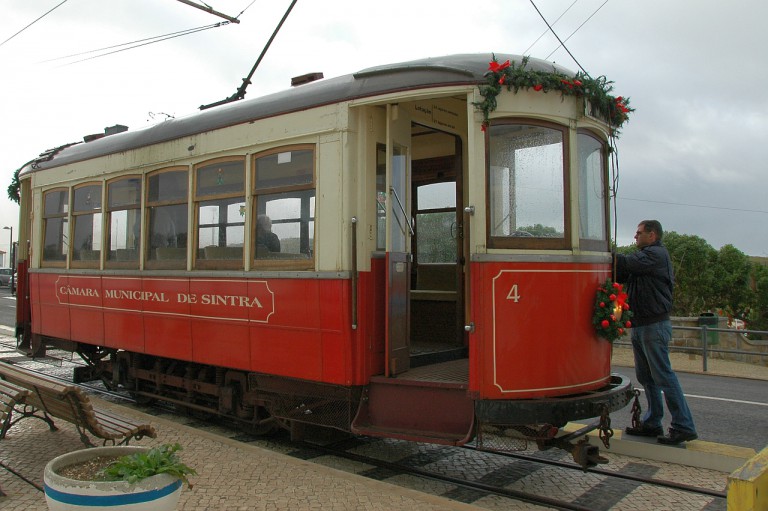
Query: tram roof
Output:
(417,74)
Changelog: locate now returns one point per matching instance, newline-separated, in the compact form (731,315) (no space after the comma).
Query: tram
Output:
(410,251)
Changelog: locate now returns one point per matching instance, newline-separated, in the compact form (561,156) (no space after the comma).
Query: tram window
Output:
(56,227)
(124,222)
(284,208)
(527,186)
(221,216)
(86,217)
(592,193)
(436,223)
(167,214)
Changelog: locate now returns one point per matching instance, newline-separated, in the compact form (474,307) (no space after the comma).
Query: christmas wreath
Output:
(612,315)
(596,91)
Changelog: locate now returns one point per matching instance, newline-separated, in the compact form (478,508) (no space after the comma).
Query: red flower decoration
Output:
(496,67)
(608,324)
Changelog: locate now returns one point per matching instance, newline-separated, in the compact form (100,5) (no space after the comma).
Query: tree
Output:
(732,278)
(694,262)
(708,280)
(758,315)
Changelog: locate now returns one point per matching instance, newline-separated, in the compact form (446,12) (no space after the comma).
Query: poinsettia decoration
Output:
(612,315)
(596,91)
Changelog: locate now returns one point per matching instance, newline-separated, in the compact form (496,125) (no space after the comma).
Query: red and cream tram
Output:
(403,252)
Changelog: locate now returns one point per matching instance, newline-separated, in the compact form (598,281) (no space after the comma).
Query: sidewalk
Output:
(232,475)
(693,363)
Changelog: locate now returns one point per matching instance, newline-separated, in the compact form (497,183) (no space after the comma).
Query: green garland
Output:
(596,91)
(612,315)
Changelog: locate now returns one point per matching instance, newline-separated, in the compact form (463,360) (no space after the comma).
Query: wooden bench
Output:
(10,396)
(49,398)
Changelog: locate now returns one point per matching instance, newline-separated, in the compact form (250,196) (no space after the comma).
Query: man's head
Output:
(264,223)
(648,233)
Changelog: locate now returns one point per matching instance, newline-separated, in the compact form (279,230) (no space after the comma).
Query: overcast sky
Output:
(694,154)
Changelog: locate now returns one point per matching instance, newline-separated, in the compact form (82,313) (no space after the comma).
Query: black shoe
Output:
(644,430)
(676,436)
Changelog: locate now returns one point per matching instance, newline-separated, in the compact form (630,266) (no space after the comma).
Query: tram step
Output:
(436,356)
(416,411)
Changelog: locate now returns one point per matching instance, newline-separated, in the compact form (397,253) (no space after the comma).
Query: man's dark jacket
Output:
(649,280)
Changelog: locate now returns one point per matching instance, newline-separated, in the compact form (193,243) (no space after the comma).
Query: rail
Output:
(705,349)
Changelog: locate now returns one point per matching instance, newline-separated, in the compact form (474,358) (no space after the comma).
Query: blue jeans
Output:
(650,344)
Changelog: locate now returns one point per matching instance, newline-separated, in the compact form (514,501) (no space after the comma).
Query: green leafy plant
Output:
(158,460)
(596,91)
(612,315)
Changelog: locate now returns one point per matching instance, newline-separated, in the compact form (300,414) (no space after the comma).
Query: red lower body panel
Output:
(534,336)
(300,328)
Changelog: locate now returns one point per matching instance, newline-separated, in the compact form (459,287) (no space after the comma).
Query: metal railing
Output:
(704,349)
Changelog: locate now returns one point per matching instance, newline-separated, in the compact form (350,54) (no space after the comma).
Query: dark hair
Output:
(653,226)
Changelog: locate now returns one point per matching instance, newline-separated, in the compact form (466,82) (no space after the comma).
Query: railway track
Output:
(460,473)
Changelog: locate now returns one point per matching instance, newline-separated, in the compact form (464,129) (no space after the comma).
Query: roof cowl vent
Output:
(304,79)
(110,130)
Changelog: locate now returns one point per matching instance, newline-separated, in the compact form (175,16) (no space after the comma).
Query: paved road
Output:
(727,410)
(7,309)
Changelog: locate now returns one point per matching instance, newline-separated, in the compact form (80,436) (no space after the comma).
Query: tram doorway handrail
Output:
(405,215)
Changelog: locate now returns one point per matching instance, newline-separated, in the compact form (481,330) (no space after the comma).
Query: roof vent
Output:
(111,130)
(91,138)
(307,78)
(114,130)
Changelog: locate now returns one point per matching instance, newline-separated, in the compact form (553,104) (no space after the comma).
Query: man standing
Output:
(650,282)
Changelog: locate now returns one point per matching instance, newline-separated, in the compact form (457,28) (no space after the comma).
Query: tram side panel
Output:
(536,339)
(298,328)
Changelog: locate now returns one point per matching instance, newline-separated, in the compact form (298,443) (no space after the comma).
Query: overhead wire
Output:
(135,44)
(558,38)
(553,24)
(577,29)
(743,210)
(38,19)
(247,7)
(152,40)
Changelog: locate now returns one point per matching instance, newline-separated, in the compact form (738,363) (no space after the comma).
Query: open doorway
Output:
(437,271)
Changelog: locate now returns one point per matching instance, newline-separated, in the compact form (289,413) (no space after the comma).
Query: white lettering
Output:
(231,301)
(139,296)
(78,291)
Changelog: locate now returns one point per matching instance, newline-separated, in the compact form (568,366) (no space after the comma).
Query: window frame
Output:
(217,264)
(108,210)
(279,263)
(77,214)
(532,243)
(163,264)
(604,244)
(56,263)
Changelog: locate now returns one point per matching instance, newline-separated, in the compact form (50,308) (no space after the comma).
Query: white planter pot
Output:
(156,493)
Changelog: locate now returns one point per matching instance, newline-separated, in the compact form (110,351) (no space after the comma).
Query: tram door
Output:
(399,232)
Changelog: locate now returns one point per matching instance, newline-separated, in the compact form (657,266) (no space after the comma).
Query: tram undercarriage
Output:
(395,408)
